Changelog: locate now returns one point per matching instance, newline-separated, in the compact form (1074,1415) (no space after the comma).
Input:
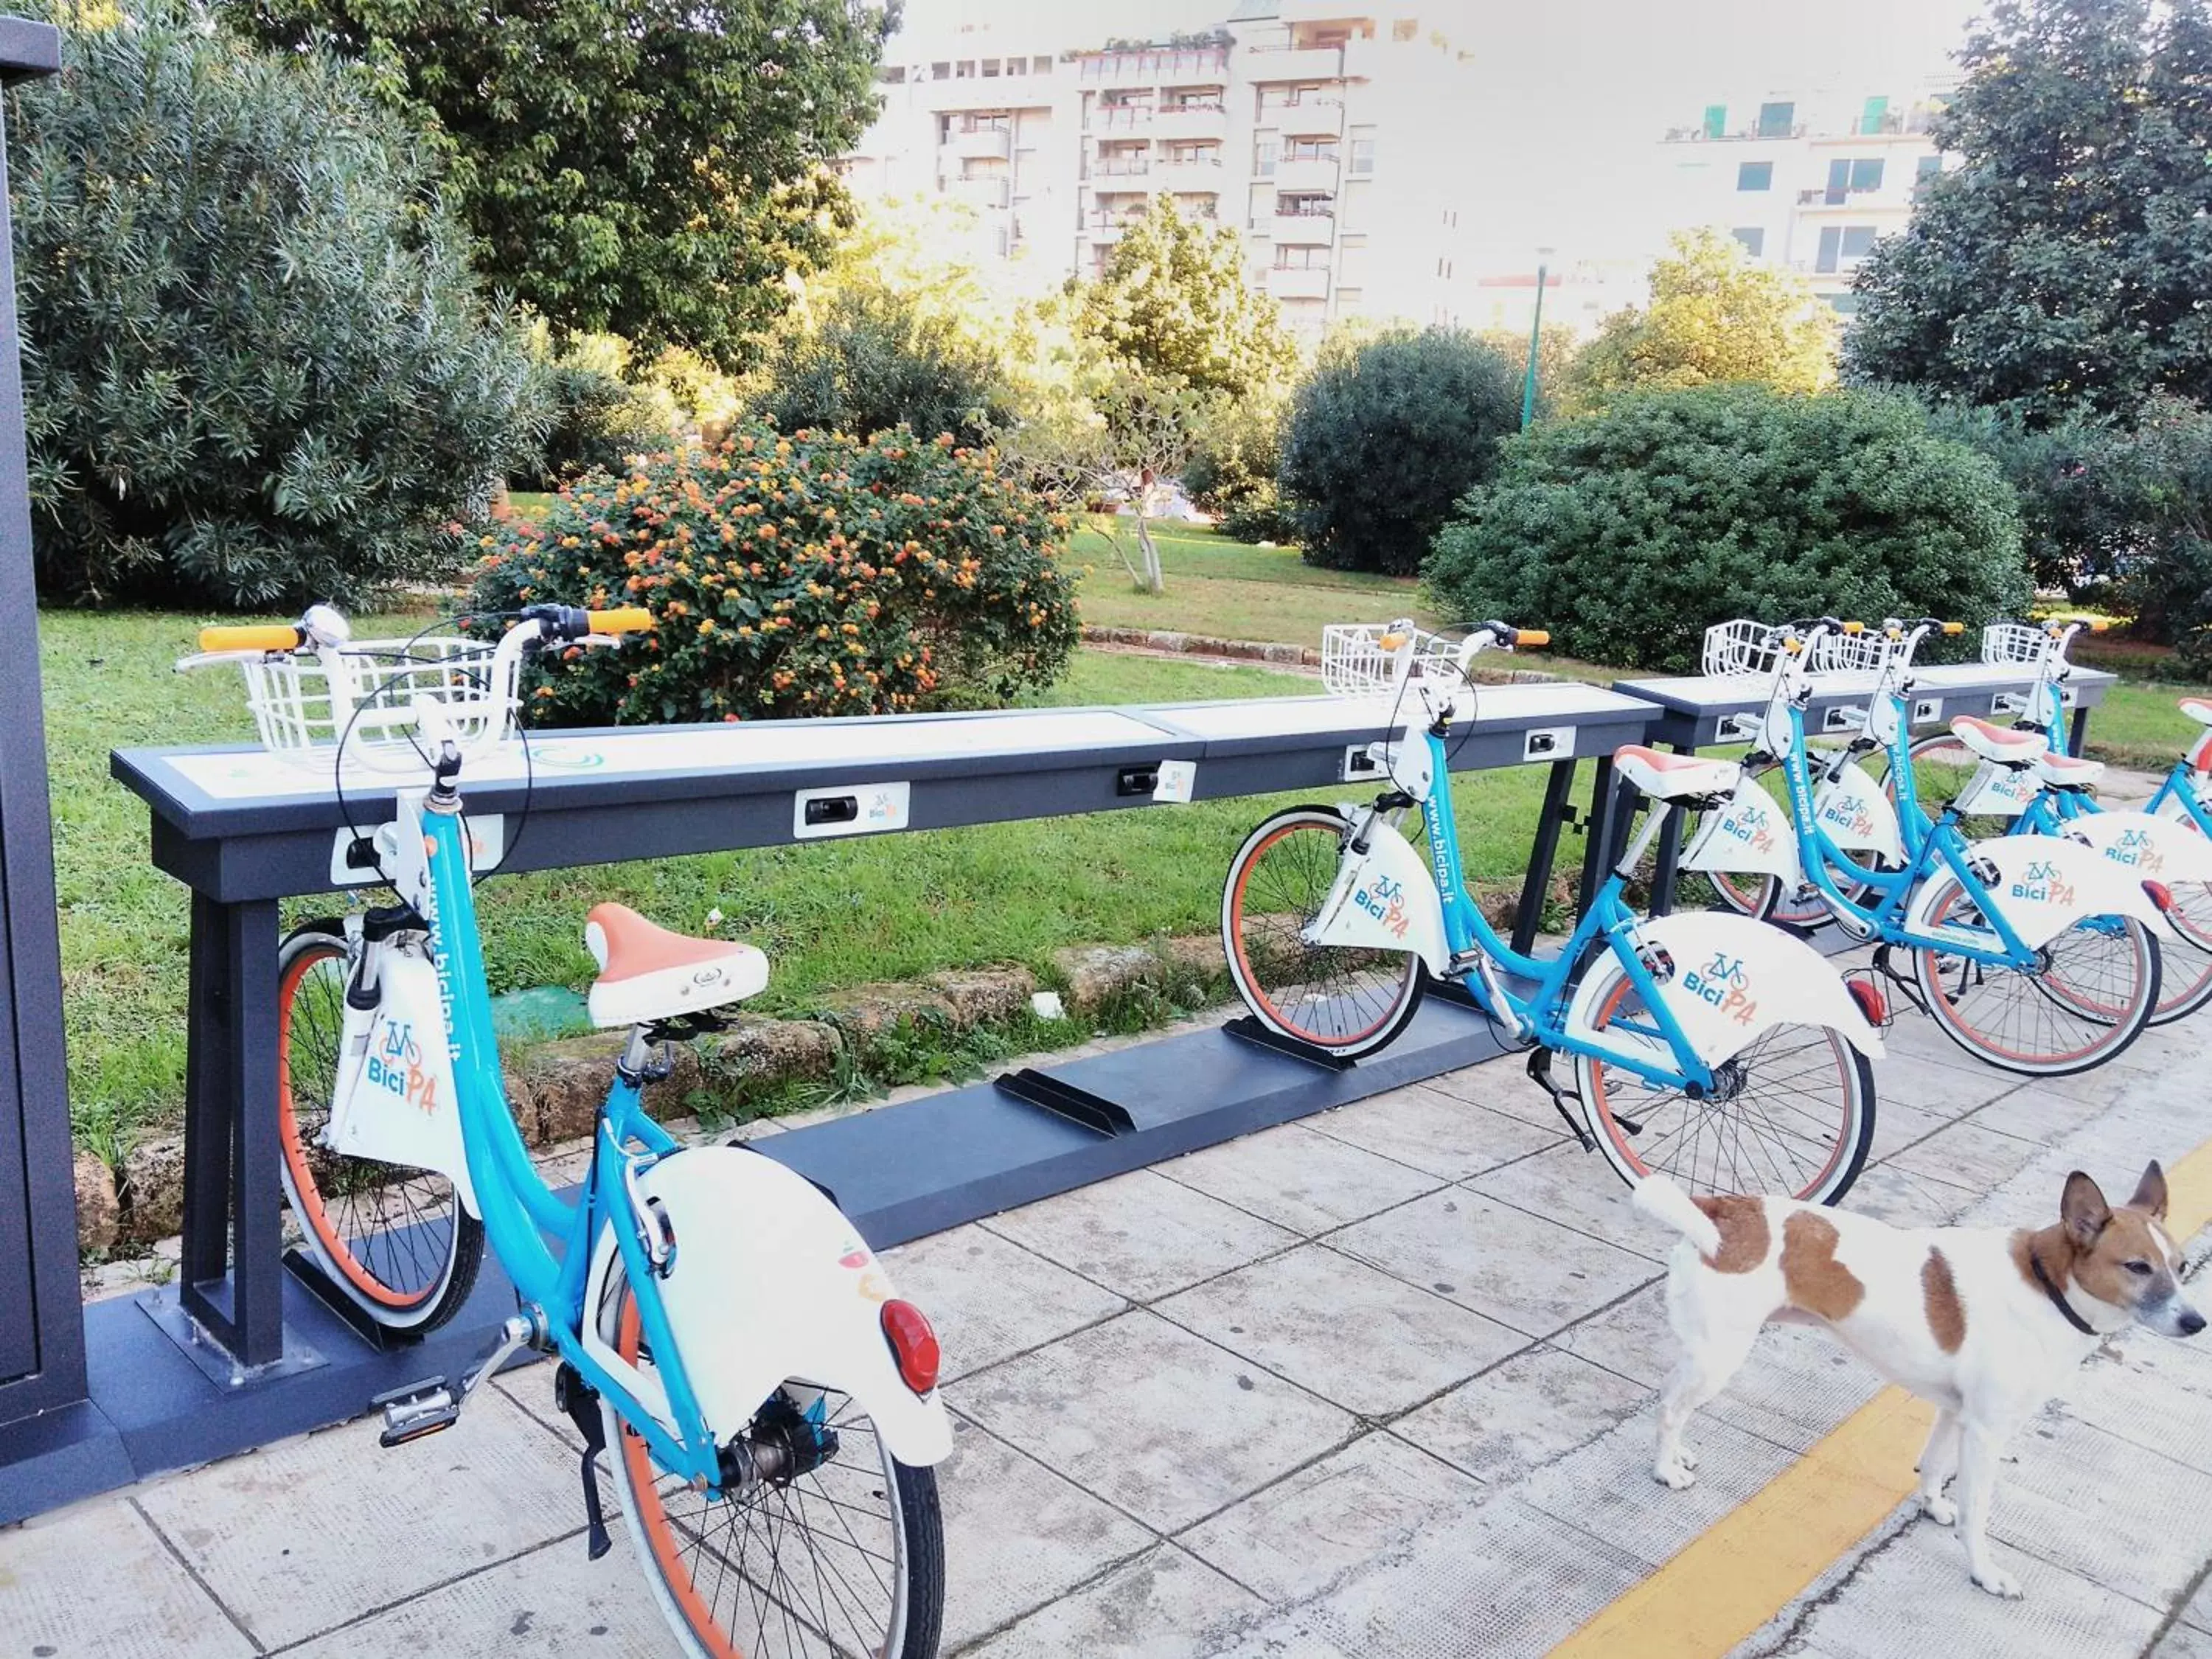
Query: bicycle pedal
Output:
(415,1411)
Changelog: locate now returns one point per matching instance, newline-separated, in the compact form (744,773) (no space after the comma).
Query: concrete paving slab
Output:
(96,1582)
(1913,1596)
(1141,1235)
(1971,1154)
(1298,1179)
(1432,1132)
(382,1525)
(1606,1488)
(2197,1611)
(1577,1190)
(2130,1521)
(1507,1265)
(1501,1087)
(1897,1124)
(1795,1387)
(552,1600)
(2150,1391)
(1350,1333)
(1164,1605)
(988,1297)
(1501,1580)
(2033,1113)
(1930,1073)
(1535,1407)
(1631,1337)
(1290,1540)
(1158,1422)
(1906,1198)
(1017,1535)
(2182,1641)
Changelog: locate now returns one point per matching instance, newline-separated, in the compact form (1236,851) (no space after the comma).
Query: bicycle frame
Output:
(524,1217)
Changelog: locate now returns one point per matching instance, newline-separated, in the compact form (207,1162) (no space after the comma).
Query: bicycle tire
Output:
(1347,1000)
(695,1615)
(413,1276)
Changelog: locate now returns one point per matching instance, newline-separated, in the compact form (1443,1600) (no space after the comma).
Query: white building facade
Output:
(1313,132)
(1807,181)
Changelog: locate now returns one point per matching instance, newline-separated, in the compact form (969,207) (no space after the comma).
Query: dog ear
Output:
(2150,1192)
(2083,1210)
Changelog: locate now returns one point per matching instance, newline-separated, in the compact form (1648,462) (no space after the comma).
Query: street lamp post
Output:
(1536,337)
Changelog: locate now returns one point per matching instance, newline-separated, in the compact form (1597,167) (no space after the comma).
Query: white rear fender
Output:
(770,1283)
(1858,816)
(1750,834)
(1731,979)
(2044,885)
(1384,899)
(2149,848)
(395,1101)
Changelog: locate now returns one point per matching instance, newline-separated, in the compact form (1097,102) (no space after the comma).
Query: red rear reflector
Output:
(2160,895)
(1870,999)
(914,1345)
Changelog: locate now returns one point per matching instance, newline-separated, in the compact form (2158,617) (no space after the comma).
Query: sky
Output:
(1568,98)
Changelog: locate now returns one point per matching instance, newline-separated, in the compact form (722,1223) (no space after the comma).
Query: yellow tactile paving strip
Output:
(1760,1556)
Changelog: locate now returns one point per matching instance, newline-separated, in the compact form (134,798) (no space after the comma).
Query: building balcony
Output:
(1310,117)
(1152,68)
(1121,167)
(1209,121)
(1122,119)
(1302,229)
(988,192)
(1317,173)
(1264,63)
(984,144)
(1187,172)
(1106,228)
(1699,136)
(1312,284)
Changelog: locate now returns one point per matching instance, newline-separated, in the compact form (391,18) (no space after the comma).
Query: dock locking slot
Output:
(1358,764)
(1927,711)
(1843,718)
(832,809)
(1547,743)
(851,809)
(2008,702)
(1737,728)
(1136,780)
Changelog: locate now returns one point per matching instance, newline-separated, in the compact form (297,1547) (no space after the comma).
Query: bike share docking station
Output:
(241,1350)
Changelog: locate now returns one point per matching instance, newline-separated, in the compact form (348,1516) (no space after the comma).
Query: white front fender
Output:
(1732,979)
(1858,816)
(1750,834)
(2044,885)
(770,1283)
(2149,848)
(1384,899)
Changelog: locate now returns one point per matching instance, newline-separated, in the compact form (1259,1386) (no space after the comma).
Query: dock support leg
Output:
(1554,817)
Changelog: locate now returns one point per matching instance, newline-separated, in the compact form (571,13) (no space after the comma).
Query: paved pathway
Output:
(1375,1384)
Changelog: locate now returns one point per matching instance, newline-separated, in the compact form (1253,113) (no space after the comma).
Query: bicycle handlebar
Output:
(254,637)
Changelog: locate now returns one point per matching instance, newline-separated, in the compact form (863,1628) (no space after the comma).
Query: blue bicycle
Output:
(2169,839)
(726,1342)
(1727,1054)
(2036,956)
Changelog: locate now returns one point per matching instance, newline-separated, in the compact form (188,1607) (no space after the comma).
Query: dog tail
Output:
(1661,1200)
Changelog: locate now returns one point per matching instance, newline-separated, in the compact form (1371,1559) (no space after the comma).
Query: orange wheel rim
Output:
(1251,972)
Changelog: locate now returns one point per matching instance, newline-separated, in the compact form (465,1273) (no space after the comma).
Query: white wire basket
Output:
(2013,643)
(368,696)
(1741,646)
(1862,652)
(1355,664)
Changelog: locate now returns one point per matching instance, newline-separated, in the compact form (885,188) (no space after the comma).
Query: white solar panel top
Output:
(1300,716)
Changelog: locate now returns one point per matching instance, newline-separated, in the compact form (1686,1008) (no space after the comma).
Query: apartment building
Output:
(1313,132)
(1807,181)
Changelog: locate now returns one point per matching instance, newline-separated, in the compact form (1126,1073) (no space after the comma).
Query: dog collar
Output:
(2059,1298)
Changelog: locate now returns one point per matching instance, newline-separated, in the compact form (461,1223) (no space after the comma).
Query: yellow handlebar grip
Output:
(1531,636)
(1955,627)
(1854,628)
(1391,641)
(2098,626)
(253,637)
(631,619)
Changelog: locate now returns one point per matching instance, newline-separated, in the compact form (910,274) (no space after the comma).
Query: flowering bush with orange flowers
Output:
(811,573)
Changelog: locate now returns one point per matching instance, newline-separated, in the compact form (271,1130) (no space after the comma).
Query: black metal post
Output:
(41,1326)
(1600,835)
(1664,872)
(2077,736)
(1555,815)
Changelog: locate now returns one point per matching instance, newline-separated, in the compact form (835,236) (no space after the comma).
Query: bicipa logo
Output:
(2134,849)
(1850,815)
(1752,824)
(2041,882)
(395,1066)
(1384,899)
(1722,983)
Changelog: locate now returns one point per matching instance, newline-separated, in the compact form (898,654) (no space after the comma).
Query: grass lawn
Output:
(827,914)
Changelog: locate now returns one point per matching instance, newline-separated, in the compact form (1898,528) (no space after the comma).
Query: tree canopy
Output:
(2063,267)
(1172,300)
(1715,316)
(647,167)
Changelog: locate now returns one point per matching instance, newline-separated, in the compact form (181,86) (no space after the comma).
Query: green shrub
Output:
(1628,532)
(808,574)
(2080,485)
(258,370)
(875,359)
(1233,467)
(599,419)
(1384,435)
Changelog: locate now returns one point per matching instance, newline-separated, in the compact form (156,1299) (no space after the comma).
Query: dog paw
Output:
(1686,1458)
(1940,1509)
(2000,1584)
(1677,1474)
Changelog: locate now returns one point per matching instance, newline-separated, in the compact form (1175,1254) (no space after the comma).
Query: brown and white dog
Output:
(1982,1323)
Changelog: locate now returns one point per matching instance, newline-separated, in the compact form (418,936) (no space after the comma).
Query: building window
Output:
(1263,158)
(1308,205)
(1874,118)
(964,70)
(1405,28)
(1301,258)
(891,75)
(1927,169)
(1866,174)
(1843,246)
(991,68)
(940,71)
(1777,120)
(1754,175)
(1348,297)
(1715,123)
(1754,238)
(1017,66)
(1846,304)
(1040,64)
(1363,155)
(1310,149)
